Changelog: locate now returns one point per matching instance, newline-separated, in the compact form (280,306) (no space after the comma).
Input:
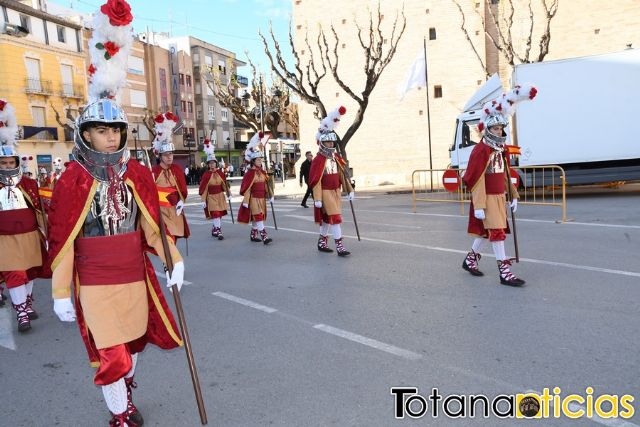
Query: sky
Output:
(230,24)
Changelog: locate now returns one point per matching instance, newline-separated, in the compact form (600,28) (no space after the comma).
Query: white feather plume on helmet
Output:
(164,124)
(254,147)
(8,130)
(329,124)
(499,110)
(210,151)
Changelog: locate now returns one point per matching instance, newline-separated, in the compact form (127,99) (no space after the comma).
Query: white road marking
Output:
(370,342)
(304,218)
(6,328)
(543,221)
(185,282)
(458,251)
(245,302)
(573,406)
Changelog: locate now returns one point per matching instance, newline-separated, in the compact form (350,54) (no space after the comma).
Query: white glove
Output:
(351,196)
(64,309)
(514,205)
(479,213)
(271,200)
(179,207)
(204,205)
(177,276)
(318,204)
(246,205)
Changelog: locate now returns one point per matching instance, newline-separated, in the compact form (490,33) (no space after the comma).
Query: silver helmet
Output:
(8,144)
(325,137)
(11,177)
(102,166)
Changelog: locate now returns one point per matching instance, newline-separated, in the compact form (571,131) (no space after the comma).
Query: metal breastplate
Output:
(98,223)
(496,163)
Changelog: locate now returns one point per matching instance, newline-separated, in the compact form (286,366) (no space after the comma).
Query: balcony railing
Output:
(42,87)
(242,80)
(71,91)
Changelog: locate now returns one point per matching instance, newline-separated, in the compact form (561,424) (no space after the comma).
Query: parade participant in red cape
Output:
(487,178)
(22,246)
(57,171)
(104,217)
(256,191)
(327,179)
(213,187)
(169,177)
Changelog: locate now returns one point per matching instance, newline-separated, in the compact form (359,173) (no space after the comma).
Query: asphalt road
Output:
(287,336)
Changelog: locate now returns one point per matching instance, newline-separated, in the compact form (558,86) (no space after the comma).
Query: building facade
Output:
(43,76)
(393,139)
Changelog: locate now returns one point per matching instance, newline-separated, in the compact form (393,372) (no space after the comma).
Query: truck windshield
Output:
(470,134)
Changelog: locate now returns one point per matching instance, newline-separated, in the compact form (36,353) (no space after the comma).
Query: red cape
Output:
(72,197)
(477,166)
(181,180)
(206,177)
(29,188)
(244,214)
(315,175)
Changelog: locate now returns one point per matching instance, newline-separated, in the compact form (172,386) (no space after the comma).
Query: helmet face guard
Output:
(11,177)
(101,166)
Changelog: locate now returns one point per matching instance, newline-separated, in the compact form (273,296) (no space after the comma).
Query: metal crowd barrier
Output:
(539,185)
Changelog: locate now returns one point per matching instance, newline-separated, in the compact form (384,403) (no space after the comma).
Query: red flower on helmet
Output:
(499,107)
(261,135)
(2,104)
(170,116)
(159,118)
(111,49)
(1,124)
(91,70)
(533,92)
(342,111)
(118,11)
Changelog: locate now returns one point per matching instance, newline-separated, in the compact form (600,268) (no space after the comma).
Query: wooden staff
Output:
(346,178)
(183,328)
(510,199)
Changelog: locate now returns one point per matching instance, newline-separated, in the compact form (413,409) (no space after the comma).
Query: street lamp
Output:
(134,131)
(228,150)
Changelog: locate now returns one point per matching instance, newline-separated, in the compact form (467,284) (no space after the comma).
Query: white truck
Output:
(582,119)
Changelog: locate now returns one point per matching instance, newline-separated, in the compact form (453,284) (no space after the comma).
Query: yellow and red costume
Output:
(213,186)
(119,305)
(172,188)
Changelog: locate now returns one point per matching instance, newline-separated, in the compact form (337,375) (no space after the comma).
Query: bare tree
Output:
(68,124)
(246,109)
(498,30)
(304,78)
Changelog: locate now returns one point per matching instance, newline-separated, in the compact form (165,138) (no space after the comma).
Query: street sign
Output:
(451,180)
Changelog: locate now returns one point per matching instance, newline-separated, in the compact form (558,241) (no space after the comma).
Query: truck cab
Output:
(466,133)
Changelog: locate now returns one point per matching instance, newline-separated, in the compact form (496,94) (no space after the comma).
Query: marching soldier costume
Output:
(327,178)
(104,217)
(213,187)
(487,177)
(22,247)
(169,177)
(256,191)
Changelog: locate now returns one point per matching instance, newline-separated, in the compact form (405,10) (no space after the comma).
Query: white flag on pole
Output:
(416,76)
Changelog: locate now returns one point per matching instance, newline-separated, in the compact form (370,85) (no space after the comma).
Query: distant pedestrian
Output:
(304,174)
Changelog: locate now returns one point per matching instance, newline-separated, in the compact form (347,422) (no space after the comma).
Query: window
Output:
(138,98)
(437,91)
(33,74)
(190,107)
(432,33)
(181,76)
(61,34)
(198,112)
(135,65)
(188,77)
(222,67)
(183,106)
(212,112)
(39,116)
(192,132)
(25,22)
(67,79)
(470,134)
(209,90)
(225,115)
(226,138)
(196,58)
(198,88)
(208,61)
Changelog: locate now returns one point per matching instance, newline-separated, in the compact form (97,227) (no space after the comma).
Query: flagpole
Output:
(426,82)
